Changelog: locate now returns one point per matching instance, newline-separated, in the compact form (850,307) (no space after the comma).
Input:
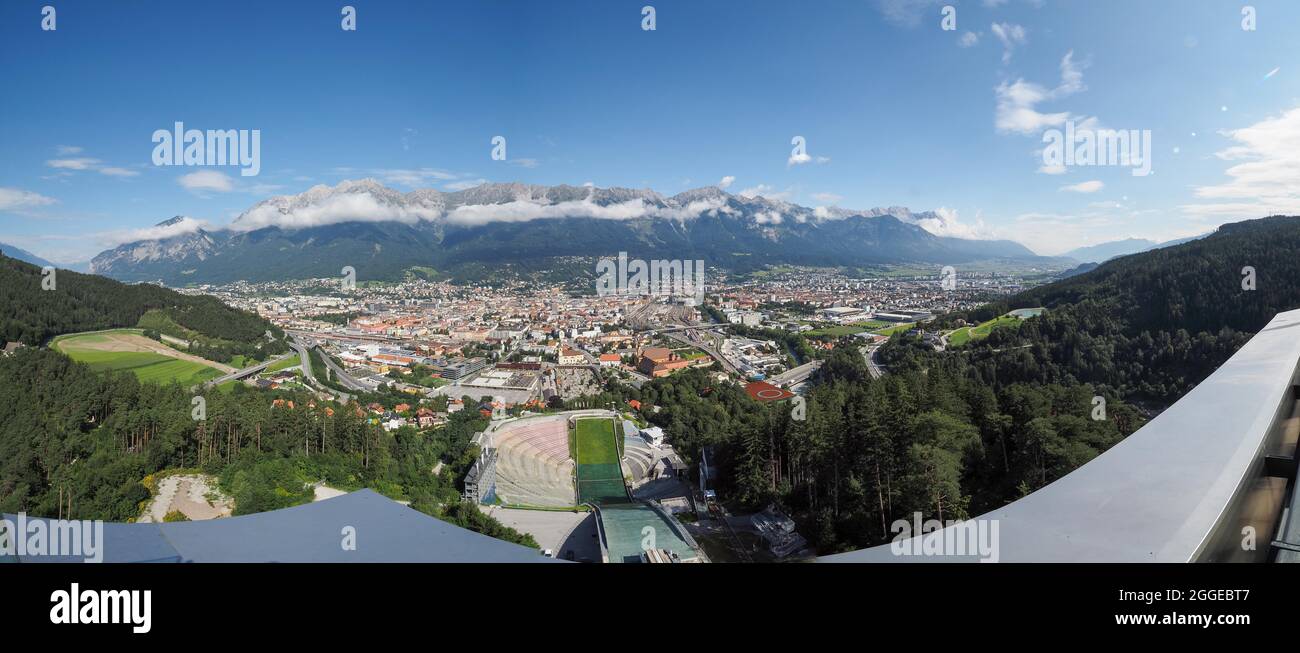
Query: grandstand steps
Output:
(638,459)
(533,466)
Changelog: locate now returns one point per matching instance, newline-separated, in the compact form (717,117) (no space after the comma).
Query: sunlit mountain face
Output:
(383,232)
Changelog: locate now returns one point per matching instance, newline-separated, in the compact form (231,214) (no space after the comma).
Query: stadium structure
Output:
(579,460)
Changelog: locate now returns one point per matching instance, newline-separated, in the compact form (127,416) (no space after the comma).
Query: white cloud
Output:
(342,207)
(1265,176)
(14,198)
(1272,72)
(524,163)
(727,182)
(945,221)
(1010,35)
(80,163)
(183,226)
(207,180)
(803,157)
(118,172)
(1084,187)
(524,211)
(364,207)
(1051,170)
(1017,102)
(763,190)
(968,40)
(827,198)
(994,3)
(84,163)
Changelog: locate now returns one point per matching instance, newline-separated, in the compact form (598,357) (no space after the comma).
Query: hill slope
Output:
(23,255)
(82,302)
(1153,324)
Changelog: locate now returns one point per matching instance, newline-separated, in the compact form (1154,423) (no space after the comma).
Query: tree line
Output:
(78,443)
(86,302)
(869,451)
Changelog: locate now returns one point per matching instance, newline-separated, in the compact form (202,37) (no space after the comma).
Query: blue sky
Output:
(894,109)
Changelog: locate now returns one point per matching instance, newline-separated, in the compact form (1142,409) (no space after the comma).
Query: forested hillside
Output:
(86,439)
(85,302)
(1150,325)
(933,441)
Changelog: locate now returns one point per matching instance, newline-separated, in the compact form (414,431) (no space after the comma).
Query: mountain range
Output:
(22,255)
(1102,252)
(382,233)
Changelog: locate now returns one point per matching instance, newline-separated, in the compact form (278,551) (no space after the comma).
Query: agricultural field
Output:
(148,360)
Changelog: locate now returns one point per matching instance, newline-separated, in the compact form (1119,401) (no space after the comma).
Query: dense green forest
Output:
(1151,325)
(933,440)
(90,439)
(86,302)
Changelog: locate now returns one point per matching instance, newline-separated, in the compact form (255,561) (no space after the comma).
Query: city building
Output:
(659,361)
(571,357)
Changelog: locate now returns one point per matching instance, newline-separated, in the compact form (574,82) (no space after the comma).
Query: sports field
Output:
(600,477)
(126,349)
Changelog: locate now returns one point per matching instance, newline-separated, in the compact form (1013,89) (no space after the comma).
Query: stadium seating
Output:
(533,465)
(638,459)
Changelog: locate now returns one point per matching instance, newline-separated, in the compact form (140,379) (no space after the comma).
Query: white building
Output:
(654,435)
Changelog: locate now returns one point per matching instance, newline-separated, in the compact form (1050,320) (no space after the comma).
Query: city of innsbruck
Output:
(462,314)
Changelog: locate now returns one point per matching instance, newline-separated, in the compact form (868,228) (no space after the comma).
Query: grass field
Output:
(839,330)
(595,440)
(284,364)
(127,350)
(895,329)
(600,477)
(982,330)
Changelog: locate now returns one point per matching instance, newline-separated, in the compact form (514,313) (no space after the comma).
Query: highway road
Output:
(247,371)
(873,366)
(311,377)
(338,373)
(708,349)
(795,375)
